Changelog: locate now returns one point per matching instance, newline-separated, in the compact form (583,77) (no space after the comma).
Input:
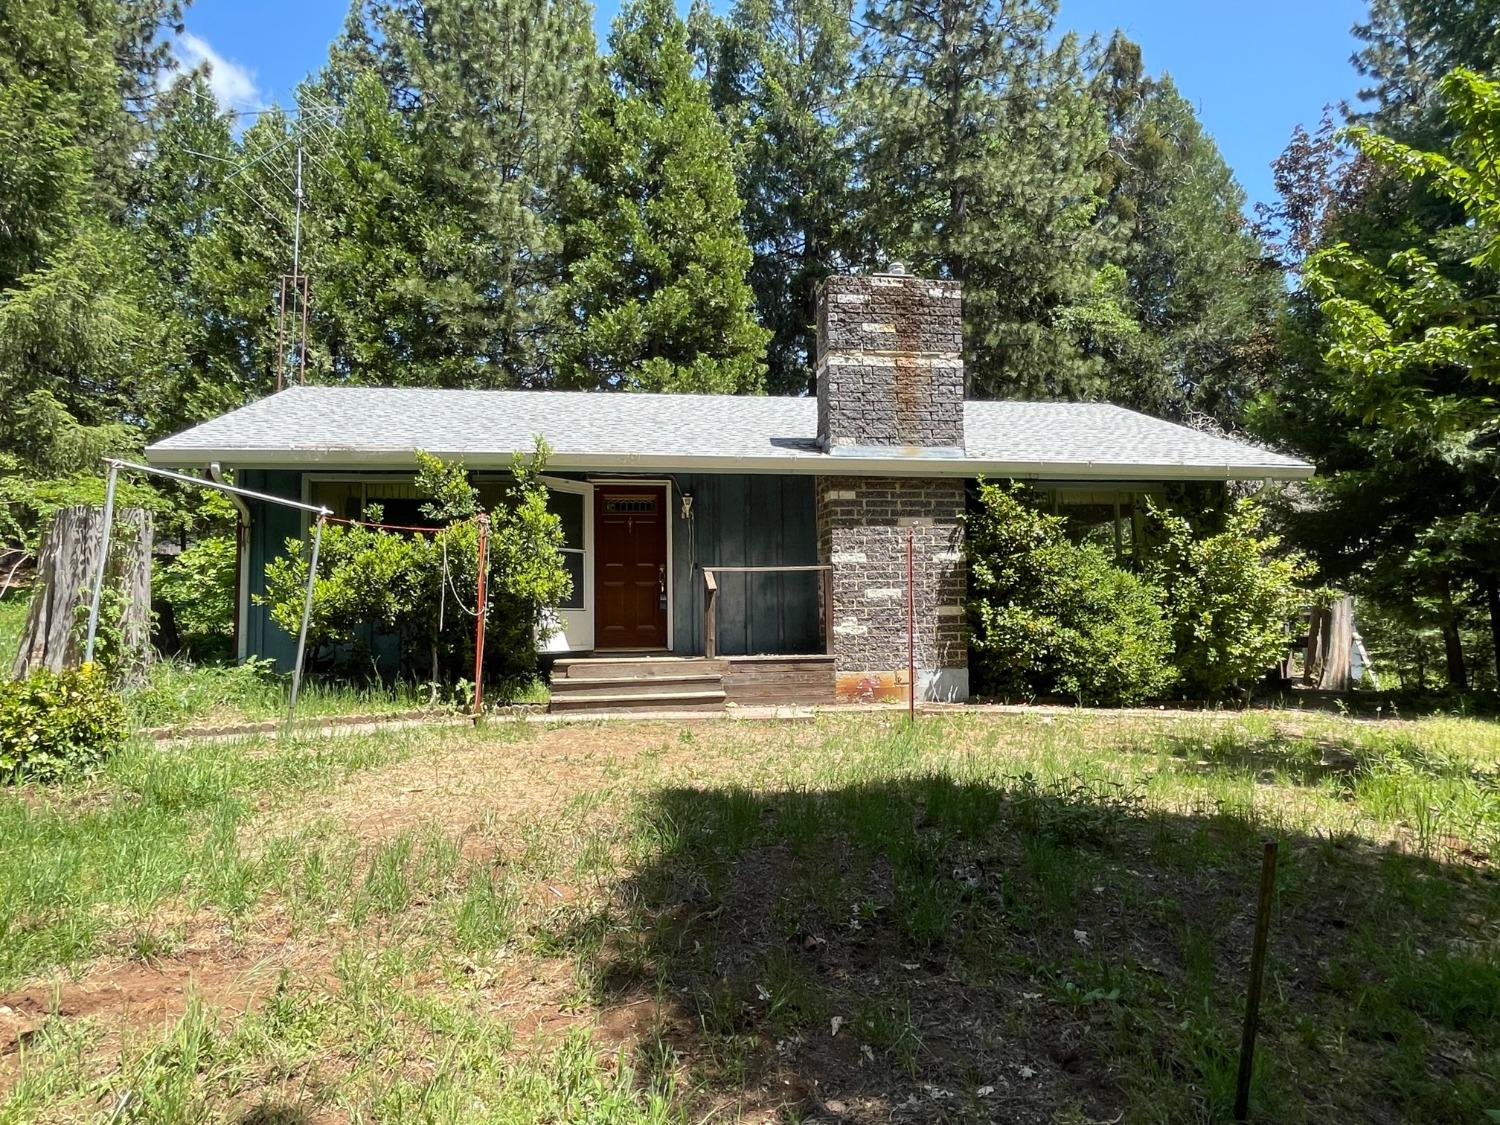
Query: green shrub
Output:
(1230,597)
(1051,617)
(403,585)
(199,585)
(56,723)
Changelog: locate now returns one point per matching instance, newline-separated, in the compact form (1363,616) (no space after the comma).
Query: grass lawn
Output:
(999,918)
(180,695)
(12,618)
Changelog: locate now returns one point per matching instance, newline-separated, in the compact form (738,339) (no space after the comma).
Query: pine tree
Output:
(1198,283)
(1408,45)
(488,93)
(779,73)
(76,339)
(980,146)
(656,288)
(183,189)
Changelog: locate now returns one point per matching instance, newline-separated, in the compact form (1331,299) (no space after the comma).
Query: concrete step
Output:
(574,687)
(636,701)
(634,668)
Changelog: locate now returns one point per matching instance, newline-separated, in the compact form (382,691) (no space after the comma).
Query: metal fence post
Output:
(307,598)
(481,611)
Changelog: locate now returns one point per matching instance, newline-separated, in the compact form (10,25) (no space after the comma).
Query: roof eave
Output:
(807,464)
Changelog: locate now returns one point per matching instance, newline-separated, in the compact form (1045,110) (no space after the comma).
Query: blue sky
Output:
(1254,71)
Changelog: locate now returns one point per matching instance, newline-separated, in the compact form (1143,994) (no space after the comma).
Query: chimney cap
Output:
(895,269)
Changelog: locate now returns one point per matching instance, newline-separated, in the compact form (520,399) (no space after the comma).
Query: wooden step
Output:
(573,687)
(633,668)
(571,704)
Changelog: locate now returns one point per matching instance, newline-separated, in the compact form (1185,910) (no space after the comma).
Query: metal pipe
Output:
(911,628)
(281,336)
(98,595)
(312,574)
(314,509)
(241,558)
(302,360)
(481,612)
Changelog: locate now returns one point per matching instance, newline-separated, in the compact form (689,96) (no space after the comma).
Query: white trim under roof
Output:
(328,460)
(366,428)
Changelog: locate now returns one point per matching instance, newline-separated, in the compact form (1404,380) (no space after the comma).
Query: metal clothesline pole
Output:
(312,574)
(482,608)
(115,468)
(315,509)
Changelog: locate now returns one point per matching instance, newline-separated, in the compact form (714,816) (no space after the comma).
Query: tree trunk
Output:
(130,566)
(1338,646)
(53,636)
(1316,618)
(1492,596)
(1453,644)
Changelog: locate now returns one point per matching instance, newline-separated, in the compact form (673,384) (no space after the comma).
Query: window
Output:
(399,500)
(630,505)
(569,508)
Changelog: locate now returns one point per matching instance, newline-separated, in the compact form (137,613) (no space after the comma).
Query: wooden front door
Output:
(630,566)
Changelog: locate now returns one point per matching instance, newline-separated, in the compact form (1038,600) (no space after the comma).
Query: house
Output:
(663,497)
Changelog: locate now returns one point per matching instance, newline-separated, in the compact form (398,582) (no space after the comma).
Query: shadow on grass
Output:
(928,950)
(270,1113)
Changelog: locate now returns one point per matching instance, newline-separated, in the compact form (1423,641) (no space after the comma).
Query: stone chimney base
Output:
(863,528)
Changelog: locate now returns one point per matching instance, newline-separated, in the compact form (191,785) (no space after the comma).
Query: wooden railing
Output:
(711,599)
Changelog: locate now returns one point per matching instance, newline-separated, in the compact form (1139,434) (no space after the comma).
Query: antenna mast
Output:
(293,286)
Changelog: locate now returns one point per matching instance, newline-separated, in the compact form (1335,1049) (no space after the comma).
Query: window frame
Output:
(575,627)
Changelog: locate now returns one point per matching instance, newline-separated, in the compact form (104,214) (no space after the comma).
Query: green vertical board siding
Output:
(271,526)
(746,520)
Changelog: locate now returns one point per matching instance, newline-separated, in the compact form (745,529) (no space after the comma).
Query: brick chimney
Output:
(891,385)
(890,365)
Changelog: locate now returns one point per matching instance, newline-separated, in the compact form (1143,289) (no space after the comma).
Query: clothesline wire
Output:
(387,526)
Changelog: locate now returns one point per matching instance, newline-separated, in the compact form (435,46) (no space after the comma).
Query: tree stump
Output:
(56,624)
(1337,673)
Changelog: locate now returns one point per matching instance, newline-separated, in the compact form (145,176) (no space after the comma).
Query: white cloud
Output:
(232,84)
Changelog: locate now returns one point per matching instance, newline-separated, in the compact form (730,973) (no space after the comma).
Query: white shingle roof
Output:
(332,427)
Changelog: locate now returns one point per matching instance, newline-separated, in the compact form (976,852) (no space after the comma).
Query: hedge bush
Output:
(1230,596)
(199,585)
(1048,616)
(53,724)
(1207,613)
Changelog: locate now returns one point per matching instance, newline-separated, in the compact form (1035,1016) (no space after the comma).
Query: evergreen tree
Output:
(1199,283)
(488,94)
(1400,412)
(76,339)
(404,294)
(656,290)
(980,146)
(1407,47)
(779,74)
(182,193)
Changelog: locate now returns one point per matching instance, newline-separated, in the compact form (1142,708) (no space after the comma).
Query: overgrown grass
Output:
(979,919)
(179,694)
(12,618)
(85,867)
